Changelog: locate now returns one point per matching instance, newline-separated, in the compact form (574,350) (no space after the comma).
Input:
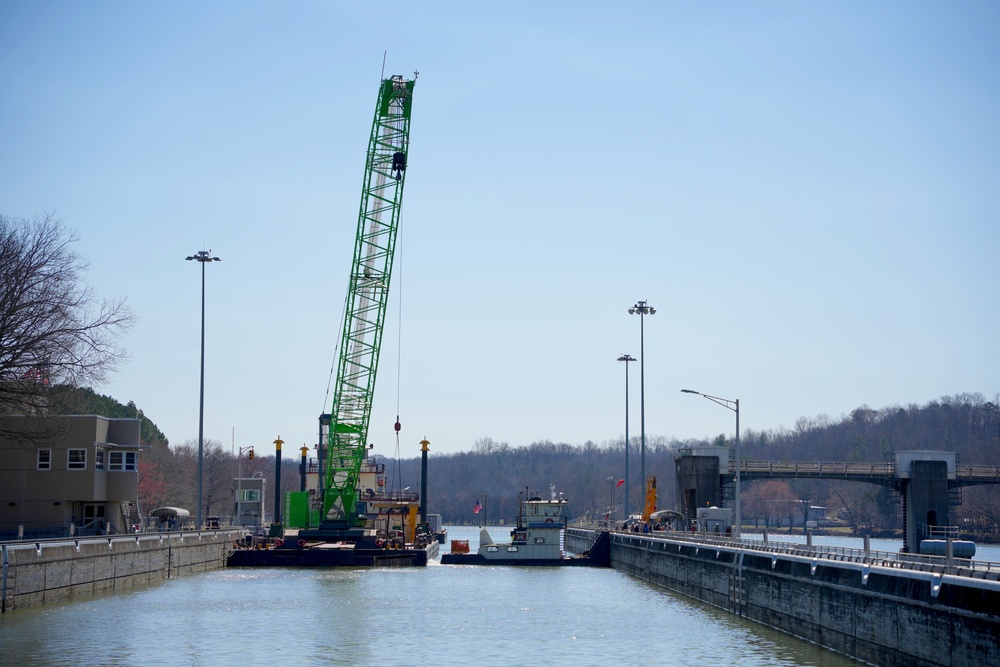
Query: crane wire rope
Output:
(397,467)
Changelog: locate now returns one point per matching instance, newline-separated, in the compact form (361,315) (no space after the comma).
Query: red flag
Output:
(478,508)
(620,482)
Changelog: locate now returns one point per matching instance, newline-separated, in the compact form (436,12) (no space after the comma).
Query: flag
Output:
(620,482)
(478,508)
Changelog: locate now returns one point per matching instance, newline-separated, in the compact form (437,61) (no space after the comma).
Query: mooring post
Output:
(277,483)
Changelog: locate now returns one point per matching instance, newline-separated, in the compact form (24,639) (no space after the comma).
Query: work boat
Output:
(538,539)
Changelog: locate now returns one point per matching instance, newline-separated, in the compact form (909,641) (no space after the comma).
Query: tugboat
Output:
(538,539)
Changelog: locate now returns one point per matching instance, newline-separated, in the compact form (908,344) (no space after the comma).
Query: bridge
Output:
(878,473)
(927,482)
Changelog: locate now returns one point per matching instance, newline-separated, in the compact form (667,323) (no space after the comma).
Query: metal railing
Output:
(928,563)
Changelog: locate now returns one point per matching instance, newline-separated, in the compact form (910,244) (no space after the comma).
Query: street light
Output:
(239,482)
(733,405)
(626,358)
(202,257)
(641,309)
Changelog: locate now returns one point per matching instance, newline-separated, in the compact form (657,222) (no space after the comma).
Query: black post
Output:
(303,468)
(423,480)
(277,479)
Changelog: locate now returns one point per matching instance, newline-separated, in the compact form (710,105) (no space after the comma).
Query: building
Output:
(248,509)
(78,474)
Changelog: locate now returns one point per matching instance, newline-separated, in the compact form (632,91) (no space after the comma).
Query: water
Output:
(438,615)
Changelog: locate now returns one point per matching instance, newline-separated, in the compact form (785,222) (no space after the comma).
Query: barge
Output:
(301,552)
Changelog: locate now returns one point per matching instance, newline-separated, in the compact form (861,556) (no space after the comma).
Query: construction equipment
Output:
(345,430)
(650,505)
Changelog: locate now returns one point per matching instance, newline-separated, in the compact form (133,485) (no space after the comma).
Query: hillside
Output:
(66,400)
(966,424)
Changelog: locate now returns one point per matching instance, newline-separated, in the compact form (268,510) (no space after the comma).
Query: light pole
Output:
(202,257)
(239,482)
(626,358)
(734,405)
(642,309)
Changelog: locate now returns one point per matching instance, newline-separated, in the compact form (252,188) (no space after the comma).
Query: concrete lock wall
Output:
(880,614)
(39,573)
(578,540)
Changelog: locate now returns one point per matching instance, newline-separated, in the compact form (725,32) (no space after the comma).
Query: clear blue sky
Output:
(806,192)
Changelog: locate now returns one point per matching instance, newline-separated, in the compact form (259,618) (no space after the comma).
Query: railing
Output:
(937,564)
(817,468)
(939,532)
(978,472)
(841,469)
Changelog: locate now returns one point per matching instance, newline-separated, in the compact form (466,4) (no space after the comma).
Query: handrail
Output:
(871,557)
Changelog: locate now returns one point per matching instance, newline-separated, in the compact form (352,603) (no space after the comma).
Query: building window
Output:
(76,459)
(44,459)
(121,461)
(99,459)
(250,495)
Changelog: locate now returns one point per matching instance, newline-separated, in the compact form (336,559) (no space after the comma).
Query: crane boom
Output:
(368,291)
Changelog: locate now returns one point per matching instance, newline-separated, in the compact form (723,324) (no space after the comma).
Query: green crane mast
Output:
(364,315)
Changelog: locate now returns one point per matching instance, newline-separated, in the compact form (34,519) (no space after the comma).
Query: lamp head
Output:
(203,256)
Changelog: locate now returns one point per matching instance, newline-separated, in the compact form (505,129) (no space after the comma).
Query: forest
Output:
(495,473)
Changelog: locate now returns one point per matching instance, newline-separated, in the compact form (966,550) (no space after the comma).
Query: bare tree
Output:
(53,330)
(219,470)
(485,446)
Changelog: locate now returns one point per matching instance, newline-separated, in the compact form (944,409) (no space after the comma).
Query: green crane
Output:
(368,293)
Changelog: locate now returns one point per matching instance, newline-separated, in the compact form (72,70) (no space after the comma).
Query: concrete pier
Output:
(874,608)
(36,573)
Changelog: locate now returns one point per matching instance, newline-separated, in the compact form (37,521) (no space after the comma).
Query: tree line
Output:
(496,474)
(587,474)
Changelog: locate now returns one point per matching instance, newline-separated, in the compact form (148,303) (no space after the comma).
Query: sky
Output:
(807,193)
